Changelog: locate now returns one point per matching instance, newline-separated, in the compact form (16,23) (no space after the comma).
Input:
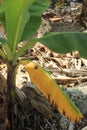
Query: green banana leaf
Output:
(63,42)
(35,19)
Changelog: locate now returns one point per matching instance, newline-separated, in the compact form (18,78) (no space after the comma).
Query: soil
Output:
(69,71)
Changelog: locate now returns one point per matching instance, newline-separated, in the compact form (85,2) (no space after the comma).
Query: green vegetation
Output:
(21,19)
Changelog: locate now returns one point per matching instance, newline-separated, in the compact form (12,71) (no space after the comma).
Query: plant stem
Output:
(11,95)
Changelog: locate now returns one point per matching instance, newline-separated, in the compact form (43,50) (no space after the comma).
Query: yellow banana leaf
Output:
(52,91)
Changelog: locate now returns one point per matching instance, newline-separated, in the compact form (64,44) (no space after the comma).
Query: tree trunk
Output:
(10,96)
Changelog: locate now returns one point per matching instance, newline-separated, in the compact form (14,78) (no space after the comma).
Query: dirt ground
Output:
(69,71)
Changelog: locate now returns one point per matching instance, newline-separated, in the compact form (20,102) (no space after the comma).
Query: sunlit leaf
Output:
(16,17)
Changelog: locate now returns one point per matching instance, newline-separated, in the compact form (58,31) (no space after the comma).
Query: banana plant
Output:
(21,20)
